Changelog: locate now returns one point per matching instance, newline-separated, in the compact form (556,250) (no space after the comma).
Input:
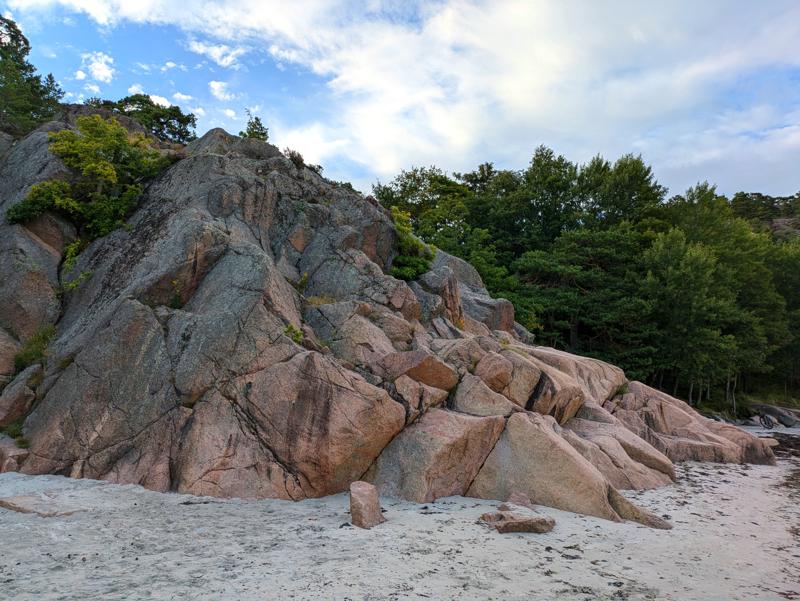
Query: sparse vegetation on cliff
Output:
(110,167)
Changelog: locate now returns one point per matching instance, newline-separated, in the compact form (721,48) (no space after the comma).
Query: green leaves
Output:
(596,261)
(26,99)
(109,167)
(255,128)
(414,256)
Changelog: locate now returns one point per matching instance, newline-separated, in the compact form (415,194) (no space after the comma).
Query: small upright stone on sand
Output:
(365,507)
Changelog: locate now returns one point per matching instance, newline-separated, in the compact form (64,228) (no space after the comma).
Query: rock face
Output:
(365,507)
(242,337)
(437,456)
(679,432)
(532,458)
(17,398)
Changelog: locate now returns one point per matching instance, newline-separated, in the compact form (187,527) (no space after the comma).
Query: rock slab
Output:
(508,521)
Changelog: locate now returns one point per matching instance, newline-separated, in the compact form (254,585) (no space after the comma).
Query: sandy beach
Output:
(736,536)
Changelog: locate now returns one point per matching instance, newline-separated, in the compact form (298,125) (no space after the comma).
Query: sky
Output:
(704,90)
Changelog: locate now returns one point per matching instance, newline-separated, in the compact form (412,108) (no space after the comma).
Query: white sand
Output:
(731,540)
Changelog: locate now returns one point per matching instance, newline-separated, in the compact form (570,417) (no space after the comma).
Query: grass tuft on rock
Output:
(34,349)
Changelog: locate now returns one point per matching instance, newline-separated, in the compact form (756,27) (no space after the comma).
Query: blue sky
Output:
(703,90)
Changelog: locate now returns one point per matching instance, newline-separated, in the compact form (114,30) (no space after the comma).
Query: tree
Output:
(586,297)
(255,129)
(167,123)
(26,99)
(692,306)
(109,168)
(625,191)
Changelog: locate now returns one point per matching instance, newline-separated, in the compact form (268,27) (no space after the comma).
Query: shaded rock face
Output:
(242,337)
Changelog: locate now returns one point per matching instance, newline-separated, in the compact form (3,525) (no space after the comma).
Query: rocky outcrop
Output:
(242,336)
(682,434)
(437,456)
(532,458)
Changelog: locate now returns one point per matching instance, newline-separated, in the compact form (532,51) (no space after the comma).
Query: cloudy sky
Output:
(702,89)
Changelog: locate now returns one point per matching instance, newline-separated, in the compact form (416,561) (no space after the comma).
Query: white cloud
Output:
(168,65)
(99,65)
(458,82)
(92,87)
(182,97)
(199,111)
(222,54)
(230,113)
(136,89)
(80,75)
(219,89)
(160,100)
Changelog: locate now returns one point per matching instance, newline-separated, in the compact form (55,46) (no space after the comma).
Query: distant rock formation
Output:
(243,337)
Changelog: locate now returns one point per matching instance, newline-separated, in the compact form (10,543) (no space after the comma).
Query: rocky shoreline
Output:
(734,536)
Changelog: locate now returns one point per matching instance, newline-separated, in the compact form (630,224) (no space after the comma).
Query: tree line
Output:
(697,294)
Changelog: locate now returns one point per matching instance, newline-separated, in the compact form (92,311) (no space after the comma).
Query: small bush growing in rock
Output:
(15,431)
(295,157)
(294,333)
(414,257)
(34,348)
(109,167)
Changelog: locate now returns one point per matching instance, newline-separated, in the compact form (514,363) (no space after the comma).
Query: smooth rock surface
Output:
(437,456)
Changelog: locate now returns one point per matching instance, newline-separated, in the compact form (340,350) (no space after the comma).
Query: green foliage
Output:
(71,252)
(14,430)
(26,99)
(34,349)
(698,294)
(293,333)
(255,129)
(414,256)
(301,284)
(70,285)
(109,167)
(168,123)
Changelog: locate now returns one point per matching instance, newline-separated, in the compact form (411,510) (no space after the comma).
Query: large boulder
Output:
(437,456)
(416,396)
(420,365)
(17,398)
(627,461)
(476,398)
(494,313)
(682,434)
(598,380)
(532,458)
